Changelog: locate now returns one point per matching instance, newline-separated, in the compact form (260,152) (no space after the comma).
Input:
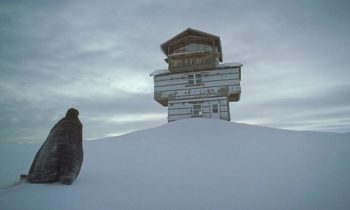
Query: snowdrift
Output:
(193,164)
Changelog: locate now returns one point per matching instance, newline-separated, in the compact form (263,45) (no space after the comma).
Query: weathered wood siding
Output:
(187,62)
(184,109)
(215,83)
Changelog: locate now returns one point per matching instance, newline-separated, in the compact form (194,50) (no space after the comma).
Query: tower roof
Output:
(188,33)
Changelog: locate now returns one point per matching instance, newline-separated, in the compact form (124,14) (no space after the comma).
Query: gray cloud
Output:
(326,110)
(97,55)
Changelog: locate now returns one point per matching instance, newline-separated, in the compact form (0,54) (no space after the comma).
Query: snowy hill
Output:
(194,164)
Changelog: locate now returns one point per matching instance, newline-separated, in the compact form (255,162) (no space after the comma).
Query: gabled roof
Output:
(192,32)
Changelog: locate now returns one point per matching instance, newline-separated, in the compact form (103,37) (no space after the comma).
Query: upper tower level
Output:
(195,84)
(192,50)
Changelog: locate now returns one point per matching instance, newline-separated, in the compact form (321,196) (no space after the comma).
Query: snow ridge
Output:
(195,164)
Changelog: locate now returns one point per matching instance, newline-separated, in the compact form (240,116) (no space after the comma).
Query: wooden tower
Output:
(195,83)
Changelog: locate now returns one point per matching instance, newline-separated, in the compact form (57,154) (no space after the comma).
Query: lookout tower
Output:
(196,83)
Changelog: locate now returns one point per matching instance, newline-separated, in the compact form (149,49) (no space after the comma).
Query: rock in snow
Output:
(60,158)
(194,164)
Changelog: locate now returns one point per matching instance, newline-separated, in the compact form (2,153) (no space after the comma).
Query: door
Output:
(197,110)
(215,110)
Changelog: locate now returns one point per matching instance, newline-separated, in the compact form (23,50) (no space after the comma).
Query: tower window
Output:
(194,79)
(191,79)
(198,78)
(215,108)
(197,110)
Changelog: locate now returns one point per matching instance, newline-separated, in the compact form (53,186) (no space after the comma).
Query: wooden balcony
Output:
(192,61)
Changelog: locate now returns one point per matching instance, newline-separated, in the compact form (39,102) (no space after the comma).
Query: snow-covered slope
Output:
(194,164)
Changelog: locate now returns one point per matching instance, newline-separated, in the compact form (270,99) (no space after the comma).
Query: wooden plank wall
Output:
(214,83)
(183,109)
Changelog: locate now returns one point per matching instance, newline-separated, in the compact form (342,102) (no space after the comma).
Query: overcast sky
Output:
(96,56)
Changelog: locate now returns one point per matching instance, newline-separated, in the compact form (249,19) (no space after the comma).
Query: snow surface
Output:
(223,65)
(232,64)
(159,72)
(193,164)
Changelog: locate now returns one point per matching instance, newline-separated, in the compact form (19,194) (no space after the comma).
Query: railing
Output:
(192,61)
(205,93)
